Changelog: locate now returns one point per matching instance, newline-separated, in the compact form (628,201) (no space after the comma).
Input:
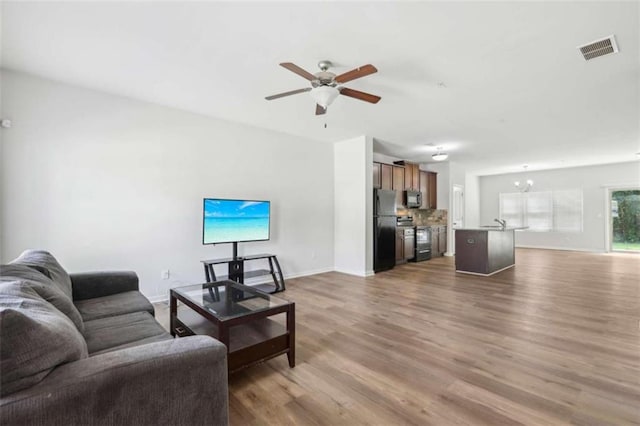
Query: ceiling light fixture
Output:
(440,156)
(528,184)
(324,95)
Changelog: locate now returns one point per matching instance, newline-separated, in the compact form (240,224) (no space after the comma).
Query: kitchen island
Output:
(486,250)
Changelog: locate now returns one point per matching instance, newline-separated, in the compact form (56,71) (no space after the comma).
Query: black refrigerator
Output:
(384,229)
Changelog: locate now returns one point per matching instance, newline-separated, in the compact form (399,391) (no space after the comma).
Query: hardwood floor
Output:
(555,340)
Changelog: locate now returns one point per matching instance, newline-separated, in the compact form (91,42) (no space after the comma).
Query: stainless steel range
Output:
(423,243)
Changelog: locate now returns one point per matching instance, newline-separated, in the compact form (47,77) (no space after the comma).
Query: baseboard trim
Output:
(560,248)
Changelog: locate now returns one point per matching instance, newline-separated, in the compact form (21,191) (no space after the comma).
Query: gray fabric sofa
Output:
(85,349)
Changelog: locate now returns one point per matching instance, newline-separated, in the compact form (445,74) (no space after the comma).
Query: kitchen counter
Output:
(485,250)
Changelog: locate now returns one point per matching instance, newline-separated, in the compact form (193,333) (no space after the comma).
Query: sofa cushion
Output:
(113,305)
(113,332)
(43,261)
(44,287)
(36,337)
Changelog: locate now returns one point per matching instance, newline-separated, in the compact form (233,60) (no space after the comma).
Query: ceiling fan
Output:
(326,86)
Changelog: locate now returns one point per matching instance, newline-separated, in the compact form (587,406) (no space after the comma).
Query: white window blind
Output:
(512,209)
(543,211)
(539,211)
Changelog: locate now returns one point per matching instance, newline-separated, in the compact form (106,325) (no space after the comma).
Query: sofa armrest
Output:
(88,285)
(174,382)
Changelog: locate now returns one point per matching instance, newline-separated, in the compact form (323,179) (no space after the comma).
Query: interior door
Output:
(457,212)
(457,215)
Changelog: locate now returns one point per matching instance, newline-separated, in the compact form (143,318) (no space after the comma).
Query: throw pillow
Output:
(45,287)
(36,338)
(41,259)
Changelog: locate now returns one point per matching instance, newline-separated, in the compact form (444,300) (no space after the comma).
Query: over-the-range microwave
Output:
(412,199)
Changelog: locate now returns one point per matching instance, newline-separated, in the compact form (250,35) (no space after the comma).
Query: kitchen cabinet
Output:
(424,188)
(429,189)
(438,240)
(405,244)
(411,175)
(386,176)
(376,175)
(399,245)
(432,190)
(398,184)
(484,251)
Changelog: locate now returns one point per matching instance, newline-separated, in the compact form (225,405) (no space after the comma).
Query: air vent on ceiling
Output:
(600,47)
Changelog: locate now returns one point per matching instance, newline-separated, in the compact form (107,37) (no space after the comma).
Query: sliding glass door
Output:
(625,219)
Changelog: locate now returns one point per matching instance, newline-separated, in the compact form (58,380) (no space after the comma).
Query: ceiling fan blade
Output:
(320,110)
(293,92)
(296,69)
(356,73)
(367,97)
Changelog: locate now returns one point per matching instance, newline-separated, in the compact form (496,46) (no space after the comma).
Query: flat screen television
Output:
(235,221)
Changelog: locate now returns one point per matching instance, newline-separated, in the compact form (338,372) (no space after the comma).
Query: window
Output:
(544,211)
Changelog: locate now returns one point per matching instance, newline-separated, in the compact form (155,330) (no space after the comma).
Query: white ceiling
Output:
(516,88)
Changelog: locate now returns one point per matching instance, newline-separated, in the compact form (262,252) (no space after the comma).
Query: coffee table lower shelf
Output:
(248,343)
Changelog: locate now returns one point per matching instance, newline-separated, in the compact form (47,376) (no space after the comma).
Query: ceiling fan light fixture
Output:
(324,95)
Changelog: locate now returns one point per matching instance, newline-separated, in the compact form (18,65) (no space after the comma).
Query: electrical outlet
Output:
(164,274)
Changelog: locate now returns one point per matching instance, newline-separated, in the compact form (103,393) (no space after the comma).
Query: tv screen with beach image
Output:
(228,221)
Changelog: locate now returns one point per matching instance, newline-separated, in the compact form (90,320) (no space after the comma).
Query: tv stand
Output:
(237,273)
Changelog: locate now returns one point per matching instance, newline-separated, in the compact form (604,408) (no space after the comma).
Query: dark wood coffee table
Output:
(237,315)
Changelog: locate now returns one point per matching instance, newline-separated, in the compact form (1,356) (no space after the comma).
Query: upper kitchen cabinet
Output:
(382,176)
(432,190)
(376,175)
(386,176)
(428,187)
(411,175)
(398,184)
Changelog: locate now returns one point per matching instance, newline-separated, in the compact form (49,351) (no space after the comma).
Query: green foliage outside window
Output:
(626,218)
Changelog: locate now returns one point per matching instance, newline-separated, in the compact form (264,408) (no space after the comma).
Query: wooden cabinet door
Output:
(432,190)
(409,247)
(398,184)
(424,188)
(399,245)
(376,175)
(442,240)
(386,176)
(415,177)
(411,177)
(435,234)
(408,177)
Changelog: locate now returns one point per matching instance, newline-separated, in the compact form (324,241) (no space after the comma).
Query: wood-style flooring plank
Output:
(554,340)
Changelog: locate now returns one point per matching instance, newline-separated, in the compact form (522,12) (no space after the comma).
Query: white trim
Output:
(355,273)
(560,248)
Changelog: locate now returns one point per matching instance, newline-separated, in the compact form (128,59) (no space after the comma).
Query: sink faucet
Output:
(502,223)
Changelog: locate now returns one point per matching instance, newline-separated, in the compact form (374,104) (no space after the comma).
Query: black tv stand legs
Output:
(237,273)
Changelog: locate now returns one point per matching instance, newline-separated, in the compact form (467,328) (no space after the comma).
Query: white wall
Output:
(353,170)
(593,180)
(471,201)
(106,182)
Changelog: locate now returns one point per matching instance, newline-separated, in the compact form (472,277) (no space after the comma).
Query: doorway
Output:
(624,226)
(457,213)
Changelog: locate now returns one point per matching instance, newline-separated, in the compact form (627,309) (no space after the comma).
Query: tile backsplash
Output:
(425,217)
